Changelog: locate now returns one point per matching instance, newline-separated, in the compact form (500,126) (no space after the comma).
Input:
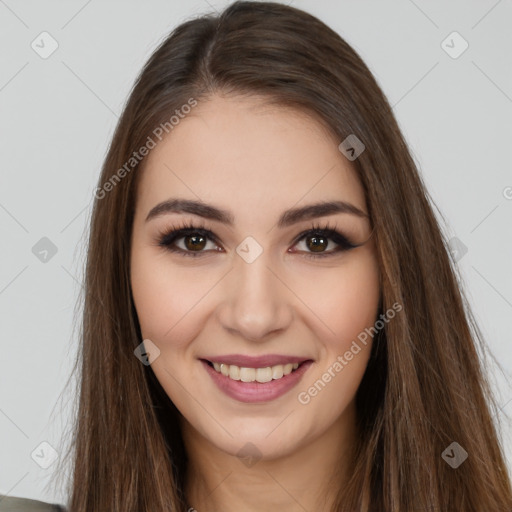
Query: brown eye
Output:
(323,242)
(316,243)
(195,242)
(189,241)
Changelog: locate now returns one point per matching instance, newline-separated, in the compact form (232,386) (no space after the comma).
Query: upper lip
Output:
(256,361)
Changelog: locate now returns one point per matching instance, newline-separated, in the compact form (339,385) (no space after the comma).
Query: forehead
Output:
(248,156)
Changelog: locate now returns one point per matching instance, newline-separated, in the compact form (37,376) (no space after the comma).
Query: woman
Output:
(271,316)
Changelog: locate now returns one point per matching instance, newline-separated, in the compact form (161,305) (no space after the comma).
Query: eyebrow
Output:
(289,217)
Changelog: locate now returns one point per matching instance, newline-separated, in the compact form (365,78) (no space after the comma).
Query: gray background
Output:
(58,114)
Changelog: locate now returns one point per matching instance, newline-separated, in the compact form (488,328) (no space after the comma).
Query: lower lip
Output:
(251,392)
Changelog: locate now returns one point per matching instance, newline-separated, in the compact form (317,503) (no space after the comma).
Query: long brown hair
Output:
(425,385)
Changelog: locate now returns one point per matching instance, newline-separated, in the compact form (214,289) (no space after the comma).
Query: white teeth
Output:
(264,374)
(255,374)
(277,371)
(234,372)
(247,374)
(288,368)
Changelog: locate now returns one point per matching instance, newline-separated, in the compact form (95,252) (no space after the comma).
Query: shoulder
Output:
(12,504)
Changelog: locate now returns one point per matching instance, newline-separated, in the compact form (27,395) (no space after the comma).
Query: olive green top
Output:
(12,504)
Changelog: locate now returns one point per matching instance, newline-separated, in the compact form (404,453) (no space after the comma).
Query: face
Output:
(256,305)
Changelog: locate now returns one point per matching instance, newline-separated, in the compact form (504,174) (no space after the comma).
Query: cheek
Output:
(156,294)
(342,301)
(167,298)
(357,303)
(348,310)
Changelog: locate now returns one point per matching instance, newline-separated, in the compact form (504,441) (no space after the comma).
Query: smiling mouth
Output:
(261,375)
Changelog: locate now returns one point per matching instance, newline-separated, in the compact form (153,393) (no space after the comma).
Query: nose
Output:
(255,301)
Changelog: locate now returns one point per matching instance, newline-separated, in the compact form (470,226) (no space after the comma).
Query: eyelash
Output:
(166,239)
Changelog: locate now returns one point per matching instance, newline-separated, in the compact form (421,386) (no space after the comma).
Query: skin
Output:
(256,161)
